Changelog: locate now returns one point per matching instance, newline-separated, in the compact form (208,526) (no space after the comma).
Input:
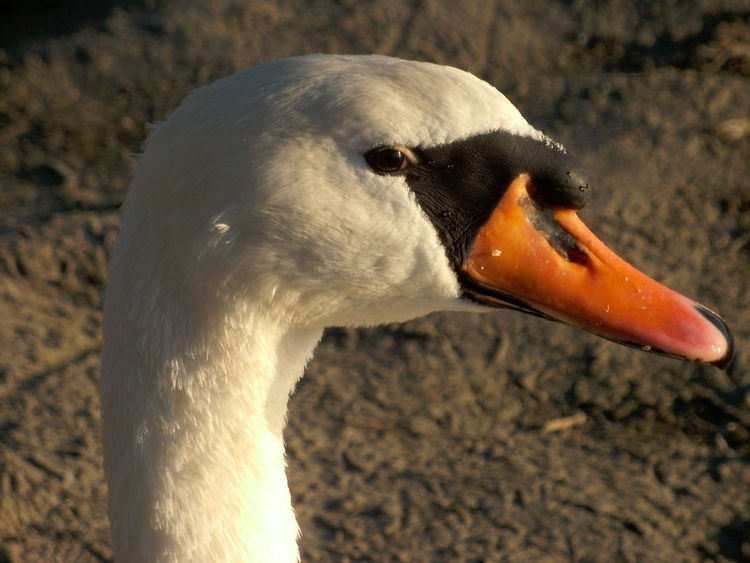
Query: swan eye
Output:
(388,160)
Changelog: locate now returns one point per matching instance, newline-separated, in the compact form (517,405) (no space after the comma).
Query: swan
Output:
(325,191)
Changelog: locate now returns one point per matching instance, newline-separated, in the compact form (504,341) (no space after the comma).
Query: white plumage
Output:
(253,222)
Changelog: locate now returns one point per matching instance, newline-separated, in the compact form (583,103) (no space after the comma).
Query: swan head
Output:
(356,190)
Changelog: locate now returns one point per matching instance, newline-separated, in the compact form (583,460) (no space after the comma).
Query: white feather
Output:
(252,223)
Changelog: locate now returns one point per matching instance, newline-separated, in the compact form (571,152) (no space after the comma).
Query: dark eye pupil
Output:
(387,160)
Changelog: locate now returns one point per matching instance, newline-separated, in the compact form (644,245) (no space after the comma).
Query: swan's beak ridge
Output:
(546,262)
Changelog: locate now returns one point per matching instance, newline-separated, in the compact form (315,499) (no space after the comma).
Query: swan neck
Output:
(193,444)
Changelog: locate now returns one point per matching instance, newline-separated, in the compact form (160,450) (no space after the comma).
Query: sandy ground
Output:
(427,441)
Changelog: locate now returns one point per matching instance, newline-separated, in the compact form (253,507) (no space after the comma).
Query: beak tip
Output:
(724,362)
(726,358)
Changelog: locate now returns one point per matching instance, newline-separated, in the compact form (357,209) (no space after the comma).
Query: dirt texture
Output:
(441,439)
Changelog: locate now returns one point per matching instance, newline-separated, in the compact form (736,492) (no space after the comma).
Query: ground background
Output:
(422,442)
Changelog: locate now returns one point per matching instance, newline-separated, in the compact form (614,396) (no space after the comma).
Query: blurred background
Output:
(490,437)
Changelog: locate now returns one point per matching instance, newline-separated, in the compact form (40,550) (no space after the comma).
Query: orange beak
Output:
(546,262)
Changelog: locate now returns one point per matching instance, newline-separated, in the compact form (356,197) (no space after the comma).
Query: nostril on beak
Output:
(577,256)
